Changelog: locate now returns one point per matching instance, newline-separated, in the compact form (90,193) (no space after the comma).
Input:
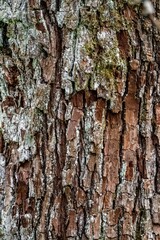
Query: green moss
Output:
(100,44)
(1,232)
(90,19)
(105,61)
(90,48)
(104,70)
(11,28)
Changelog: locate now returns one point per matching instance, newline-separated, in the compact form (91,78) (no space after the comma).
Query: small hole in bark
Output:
(14,210)
(24,222)
(43,4)
(130,164)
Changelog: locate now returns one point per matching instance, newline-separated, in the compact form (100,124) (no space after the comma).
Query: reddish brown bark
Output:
(79,119)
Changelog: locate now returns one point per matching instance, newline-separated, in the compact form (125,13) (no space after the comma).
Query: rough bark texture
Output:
(80,121)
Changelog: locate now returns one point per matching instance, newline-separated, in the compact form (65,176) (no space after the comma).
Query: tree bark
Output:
(79,121)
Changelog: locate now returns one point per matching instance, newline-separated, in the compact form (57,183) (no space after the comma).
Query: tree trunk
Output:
(80,121)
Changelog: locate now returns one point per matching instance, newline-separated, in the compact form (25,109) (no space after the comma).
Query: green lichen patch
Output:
(104,51)
(1,233)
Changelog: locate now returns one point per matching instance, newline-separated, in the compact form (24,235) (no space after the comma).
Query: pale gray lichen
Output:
(68,14)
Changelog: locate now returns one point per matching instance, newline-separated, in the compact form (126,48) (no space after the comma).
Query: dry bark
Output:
(80,121)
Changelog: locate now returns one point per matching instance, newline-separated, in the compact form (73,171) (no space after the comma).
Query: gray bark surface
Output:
(79,121)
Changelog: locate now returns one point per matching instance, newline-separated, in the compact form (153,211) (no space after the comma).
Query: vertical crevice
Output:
(56,83)
(63,217)
(141,152)
(121,142)
(157,174)
(58,4)
(75,37)
(5,48)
